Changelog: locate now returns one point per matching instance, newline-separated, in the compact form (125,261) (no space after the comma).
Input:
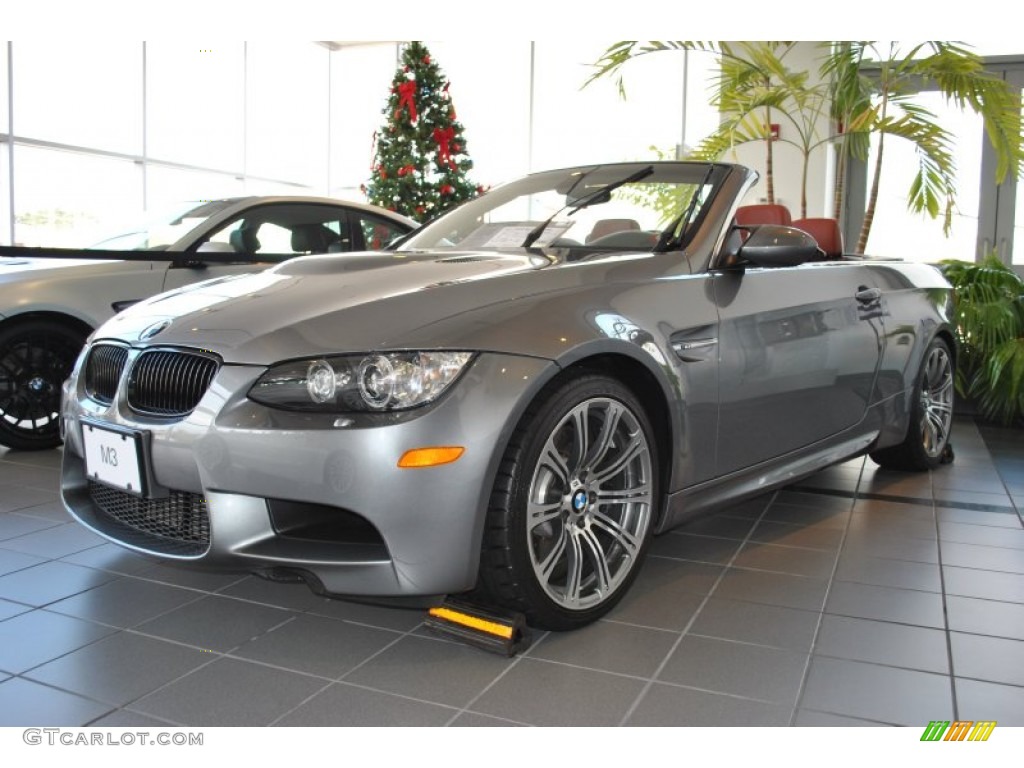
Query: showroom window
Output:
(287,109)
(195,102)
(360,82)
(4,91)
(989,217)
(574,125)
(492,103)
(171,185)
(5,197)
(897,231)
(5,148)
(86,94)
(102,132)
(71,199)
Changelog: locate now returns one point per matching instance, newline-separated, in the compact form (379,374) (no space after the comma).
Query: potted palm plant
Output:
(867,89)
(989,317)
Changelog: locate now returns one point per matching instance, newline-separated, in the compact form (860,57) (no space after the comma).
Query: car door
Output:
(799,351)
(271,233)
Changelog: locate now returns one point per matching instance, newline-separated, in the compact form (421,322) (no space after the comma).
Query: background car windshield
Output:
(631,216)
(161,228)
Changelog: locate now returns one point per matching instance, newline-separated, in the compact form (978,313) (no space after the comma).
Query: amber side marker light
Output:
(434,456)
(486,628)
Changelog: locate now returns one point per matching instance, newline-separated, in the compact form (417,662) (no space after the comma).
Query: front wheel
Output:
(572,508)
(931,415)
(36,356)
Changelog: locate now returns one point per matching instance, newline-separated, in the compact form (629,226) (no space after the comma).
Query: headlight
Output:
(374,382)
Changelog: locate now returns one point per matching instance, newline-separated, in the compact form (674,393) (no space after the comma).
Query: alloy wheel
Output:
(936,401)
(589,503)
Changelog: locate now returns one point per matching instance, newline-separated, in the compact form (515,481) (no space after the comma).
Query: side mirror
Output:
(774,245)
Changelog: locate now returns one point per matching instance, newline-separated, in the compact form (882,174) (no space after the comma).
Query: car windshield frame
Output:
(542,211)
(158,229)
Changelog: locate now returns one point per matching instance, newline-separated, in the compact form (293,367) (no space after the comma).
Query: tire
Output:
(36,356)
(571,513)
(931,416)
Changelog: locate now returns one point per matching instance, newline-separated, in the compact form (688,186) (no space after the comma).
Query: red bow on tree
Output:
(444,145)
(406,92)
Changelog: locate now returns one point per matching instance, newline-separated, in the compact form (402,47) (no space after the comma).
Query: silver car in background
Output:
(513,401)
(51,299)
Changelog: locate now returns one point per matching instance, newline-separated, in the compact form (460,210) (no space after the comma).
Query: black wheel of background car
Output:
(931,415)
(571,512)
(35,358)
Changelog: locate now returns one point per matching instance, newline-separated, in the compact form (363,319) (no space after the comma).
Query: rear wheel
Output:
(931,415)
(36,356)
(572,508)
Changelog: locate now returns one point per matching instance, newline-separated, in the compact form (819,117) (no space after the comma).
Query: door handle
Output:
(867,295)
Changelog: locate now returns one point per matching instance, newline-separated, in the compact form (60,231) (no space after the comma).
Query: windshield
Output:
(161,228)
(622,206)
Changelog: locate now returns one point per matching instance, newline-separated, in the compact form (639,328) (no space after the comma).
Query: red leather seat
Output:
(752,215)
(826,232)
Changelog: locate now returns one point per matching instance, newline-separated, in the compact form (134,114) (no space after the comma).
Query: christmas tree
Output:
(420,168)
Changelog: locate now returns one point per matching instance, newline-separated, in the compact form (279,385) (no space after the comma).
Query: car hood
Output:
(330,304)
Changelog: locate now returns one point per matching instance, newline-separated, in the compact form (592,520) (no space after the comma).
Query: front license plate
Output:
(113,458)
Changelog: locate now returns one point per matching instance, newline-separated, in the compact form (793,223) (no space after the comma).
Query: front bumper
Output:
(316,495)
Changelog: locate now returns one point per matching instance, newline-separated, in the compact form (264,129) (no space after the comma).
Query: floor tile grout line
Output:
(805,674)
(761,543)
(515,662)
(743,567)
(341,678)
(231,655)
(52,687)
(916,500)
(851,717)
(117,631)
(692,620)
(216,656)
(1018,509)
(945,620)
(163,720)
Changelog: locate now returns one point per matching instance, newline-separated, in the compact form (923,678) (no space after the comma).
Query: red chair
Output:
(752,215)
(826,232)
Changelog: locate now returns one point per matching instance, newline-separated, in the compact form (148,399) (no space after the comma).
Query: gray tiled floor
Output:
(856,597)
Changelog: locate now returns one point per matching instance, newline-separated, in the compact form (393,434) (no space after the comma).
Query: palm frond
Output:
(620,53)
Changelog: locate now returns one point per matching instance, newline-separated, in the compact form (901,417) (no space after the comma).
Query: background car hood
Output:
(12,267)
(329,304)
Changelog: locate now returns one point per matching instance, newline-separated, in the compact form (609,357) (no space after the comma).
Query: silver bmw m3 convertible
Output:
(512,400)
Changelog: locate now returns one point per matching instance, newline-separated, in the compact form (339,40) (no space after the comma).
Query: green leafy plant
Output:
(864,90)
(874,91)
(989,317)
(752,82)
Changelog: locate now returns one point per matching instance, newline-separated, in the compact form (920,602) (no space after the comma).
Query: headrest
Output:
(751,215)
(605,227)
(244,239)
(311,238)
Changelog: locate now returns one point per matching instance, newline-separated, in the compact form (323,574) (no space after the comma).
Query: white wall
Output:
(788,160)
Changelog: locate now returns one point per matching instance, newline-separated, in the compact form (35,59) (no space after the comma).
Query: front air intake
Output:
(176,525)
